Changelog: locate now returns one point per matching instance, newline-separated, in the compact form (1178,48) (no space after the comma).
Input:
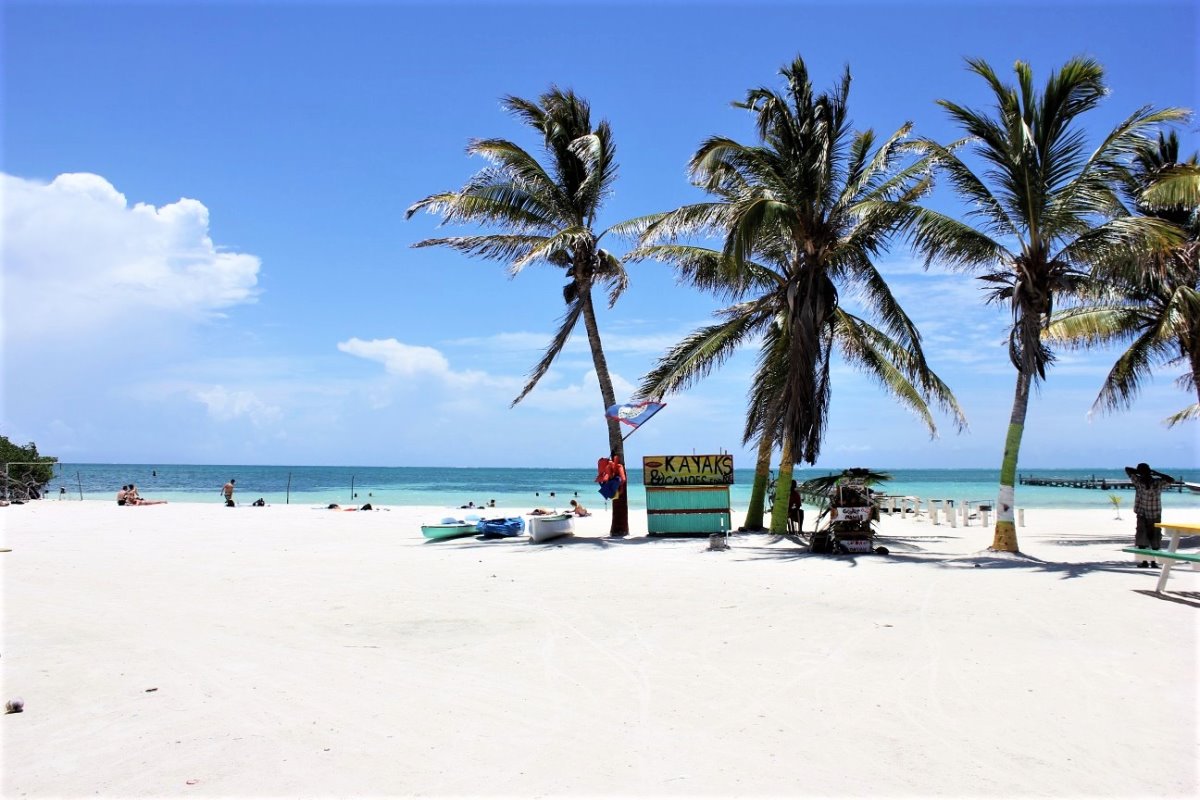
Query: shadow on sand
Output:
(523,542)
(910,551)
(1183,598)
(1186,542)
(922,552)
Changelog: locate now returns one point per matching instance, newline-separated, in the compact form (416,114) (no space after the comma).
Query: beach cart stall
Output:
(851,510)
(687,495)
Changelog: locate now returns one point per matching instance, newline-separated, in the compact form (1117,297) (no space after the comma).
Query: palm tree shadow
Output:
(1183,598)
(1066,570)
(601,542)
(1190,541)
(1080,541)
(903,552)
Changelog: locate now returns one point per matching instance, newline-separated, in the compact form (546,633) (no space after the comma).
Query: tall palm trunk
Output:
(758,494)
(1194,357)
(1005,535)
(783,489)
(620,513)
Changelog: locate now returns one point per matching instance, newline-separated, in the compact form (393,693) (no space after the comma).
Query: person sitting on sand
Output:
(123,496)
(579,510)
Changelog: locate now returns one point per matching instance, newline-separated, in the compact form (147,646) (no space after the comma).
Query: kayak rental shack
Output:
(687,495)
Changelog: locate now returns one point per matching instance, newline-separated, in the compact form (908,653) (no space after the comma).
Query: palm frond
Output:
(708,270)
(610,271)
(945,240)
(598,154)
(494,246)
(695,218)
(1173,187)
(901,372)
(981,202)
(1119,239)
(562,243)
(569,320)
(1087,326)
(700,352)
(1133,367)
(518,165)
(1187,414)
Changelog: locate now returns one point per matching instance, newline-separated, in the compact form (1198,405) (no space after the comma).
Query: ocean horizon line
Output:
(533,487)
(774,468)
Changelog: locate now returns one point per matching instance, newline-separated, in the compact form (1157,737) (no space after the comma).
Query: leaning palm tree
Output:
(1150,300)
(802,215)
(547,213)
(1048,211)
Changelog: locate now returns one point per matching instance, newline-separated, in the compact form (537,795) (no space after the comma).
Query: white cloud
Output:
(75,251)
(417,362)
(398,358)
(225,405)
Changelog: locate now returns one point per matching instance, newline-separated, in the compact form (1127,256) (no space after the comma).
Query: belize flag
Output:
(635,414)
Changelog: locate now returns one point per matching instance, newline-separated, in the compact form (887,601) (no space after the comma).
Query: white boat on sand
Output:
(551,526)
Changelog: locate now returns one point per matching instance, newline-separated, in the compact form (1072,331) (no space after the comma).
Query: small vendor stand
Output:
(687,495)
(851,510)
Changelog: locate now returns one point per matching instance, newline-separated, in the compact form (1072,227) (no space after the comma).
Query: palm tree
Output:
(547,213)
(1048,211)
(802,214)
(1151,300)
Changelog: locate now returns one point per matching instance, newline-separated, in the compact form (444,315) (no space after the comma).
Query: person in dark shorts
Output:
(1147,507)
(795,509)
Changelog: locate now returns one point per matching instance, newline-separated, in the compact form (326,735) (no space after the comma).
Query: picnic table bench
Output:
(1169,556)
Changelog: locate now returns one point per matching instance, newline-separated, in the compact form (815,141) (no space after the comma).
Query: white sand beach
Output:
(194,650)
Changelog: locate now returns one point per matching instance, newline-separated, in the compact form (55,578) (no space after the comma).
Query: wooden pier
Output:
(1106,484)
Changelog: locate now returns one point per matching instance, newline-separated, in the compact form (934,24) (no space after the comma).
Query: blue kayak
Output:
(504,526)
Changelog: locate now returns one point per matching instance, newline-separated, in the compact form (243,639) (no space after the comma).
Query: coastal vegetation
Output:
(547,213)
(801,215)
(1083,246)
(25,470)
(1149,300)
(1043,220)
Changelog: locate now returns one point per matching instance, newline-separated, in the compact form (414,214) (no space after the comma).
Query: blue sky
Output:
(206,258)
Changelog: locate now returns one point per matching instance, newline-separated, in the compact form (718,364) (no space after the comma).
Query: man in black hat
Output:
(1147,506)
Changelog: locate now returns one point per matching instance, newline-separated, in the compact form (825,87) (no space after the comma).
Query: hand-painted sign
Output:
(712,470)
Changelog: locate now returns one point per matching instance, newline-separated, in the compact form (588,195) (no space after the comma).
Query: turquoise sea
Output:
(514,487)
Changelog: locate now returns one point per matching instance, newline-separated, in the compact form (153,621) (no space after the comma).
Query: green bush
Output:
(35,475)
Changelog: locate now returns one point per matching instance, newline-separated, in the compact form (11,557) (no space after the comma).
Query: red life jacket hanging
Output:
(610,474)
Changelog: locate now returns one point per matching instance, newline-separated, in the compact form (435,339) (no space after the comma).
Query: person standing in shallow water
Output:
(1147,506)
(228,492)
